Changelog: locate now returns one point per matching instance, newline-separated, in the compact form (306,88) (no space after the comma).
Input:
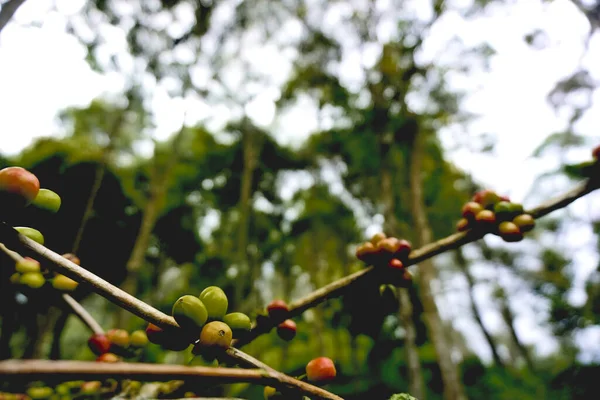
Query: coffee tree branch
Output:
(453,241)
(46,370)
(77,308)
(334,289)
(145,311)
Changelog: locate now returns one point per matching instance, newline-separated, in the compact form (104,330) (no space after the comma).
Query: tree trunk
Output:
(453,387)
(251,146)
(509,319)
(415,374)
(462,263)
(158,190)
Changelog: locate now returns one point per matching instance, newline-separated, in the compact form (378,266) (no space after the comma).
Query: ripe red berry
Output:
(287,330)
(596,152)
(277,309)
(404,249)
(99,344)
(395,264)
(18,187)
(155,334)
(320,370)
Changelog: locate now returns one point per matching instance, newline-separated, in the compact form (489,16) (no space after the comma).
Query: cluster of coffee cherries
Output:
(319,371)
(205,322)
(29,272)
(20,188)
(117,344)
(490,212)
(389,255)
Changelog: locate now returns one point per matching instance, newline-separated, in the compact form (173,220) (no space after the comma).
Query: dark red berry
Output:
(287,330)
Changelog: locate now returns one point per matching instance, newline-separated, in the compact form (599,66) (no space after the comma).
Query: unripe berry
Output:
(62,282)
(470,210)
(190,313)
(34,280)
(525,222)
(277,308)
(27,264)
(377,238)
(216,335)
(487,198)
(486,217)
(108,358)
(48,200)
(238,322)
(31,233)
(510,232)
(90,388)
(118,337)
(138,338)
(287,330)
(320,370)
(463,225)
(503,211)
(99,344)
(215,301)
(40,392)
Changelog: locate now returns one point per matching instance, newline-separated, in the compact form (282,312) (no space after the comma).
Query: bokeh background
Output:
(253,145)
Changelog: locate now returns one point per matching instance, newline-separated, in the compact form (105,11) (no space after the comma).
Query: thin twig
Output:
(67,370)
(78,309)
(83,314)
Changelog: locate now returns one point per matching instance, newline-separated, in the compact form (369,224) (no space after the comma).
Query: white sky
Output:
(43,70)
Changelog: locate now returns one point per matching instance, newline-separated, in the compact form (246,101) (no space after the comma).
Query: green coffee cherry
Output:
(27,264)
(15,278)
(34,280)
(138,338)
(525,222)
(216,335)
(189,312)
(31,233)
(238,322)
(215,301)
(64,283)
(48,200)
(503,211)
(42,392)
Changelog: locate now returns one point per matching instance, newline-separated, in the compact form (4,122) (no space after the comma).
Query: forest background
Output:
(308,127)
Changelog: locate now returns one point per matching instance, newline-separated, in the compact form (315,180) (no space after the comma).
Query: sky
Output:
(43,70)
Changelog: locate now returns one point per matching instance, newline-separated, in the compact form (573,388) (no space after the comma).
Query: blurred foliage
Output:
(308,206)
